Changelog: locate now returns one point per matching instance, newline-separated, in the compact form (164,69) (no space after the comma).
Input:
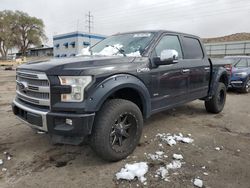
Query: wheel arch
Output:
(220,75)
(122,86)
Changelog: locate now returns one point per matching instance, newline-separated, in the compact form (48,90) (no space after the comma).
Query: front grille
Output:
(33,87)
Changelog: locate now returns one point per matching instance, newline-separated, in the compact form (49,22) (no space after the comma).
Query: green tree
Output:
(18,29)
(7,32)
(28,31)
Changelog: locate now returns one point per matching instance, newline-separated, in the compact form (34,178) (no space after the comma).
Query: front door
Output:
(172,79)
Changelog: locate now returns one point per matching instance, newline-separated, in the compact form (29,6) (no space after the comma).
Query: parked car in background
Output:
(240,76)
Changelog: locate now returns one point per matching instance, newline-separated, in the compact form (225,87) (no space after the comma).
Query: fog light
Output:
(68,121)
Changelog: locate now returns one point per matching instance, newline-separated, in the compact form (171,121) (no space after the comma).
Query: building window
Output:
(66,45)
(64,55)
(86,44)
(72,55)
(57,45)
(73,44)
(57,55)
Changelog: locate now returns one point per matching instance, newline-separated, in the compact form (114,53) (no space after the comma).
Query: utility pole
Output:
(89,21)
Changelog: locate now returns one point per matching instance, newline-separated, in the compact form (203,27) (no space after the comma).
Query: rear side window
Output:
(242,63)
(192,48)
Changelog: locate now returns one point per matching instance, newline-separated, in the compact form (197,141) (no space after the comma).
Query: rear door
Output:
(198,67)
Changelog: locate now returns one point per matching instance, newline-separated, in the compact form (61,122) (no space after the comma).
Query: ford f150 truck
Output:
(105,95)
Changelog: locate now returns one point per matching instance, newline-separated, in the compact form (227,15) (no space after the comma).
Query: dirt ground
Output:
(35,162)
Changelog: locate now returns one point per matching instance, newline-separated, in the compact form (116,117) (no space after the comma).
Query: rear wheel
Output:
(217,102)
(246,87)
(117,129)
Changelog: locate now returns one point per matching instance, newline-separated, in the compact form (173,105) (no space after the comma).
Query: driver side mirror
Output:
(167,57)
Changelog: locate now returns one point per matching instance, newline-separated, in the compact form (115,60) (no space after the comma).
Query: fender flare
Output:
(216,76)
(99,94)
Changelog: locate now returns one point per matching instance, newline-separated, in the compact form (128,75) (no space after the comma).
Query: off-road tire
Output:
(216,103)
(101,141)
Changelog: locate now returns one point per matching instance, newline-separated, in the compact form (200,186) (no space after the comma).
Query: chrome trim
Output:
(42,102)
(236,82)
(39,76)
(185,70)
(42,113)
(41,89)
(33,82)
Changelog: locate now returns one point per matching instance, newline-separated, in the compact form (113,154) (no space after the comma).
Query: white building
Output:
(71,44)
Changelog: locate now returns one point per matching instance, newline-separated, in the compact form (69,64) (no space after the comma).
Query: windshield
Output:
(132,44)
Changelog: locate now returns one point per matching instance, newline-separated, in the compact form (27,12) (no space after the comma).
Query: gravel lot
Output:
(35,162)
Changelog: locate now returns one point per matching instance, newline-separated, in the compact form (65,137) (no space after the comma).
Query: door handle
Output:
(185,70)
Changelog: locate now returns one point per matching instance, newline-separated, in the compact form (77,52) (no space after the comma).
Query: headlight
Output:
(241,74)
(78,84)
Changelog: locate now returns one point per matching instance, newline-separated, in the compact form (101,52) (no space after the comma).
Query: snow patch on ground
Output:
(1,161)
(217,148)
(130,171)
(177,156)
(4,169)
(173,139)
(163,172)
(157,156)
(175,164)
(198,182)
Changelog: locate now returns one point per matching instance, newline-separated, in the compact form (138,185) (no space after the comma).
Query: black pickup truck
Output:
(105,95)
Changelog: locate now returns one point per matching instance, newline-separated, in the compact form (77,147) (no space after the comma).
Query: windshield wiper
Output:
(120,50)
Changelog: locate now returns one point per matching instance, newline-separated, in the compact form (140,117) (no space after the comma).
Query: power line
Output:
(174,18)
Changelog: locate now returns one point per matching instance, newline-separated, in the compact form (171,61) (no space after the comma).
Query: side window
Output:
(192,48)
(169,42)
(242,63)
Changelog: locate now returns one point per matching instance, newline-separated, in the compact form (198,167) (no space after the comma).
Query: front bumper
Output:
(236,84)
(54,123)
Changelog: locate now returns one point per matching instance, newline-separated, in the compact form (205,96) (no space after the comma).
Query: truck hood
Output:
(79,65)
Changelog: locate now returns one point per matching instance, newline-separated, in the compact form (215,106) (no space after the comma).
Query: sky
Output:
(205,18)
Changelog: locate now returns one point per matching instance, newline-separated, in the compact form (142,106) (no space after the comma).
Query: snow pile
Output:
(110,50)
(173,139)
(217,148)
(85,51)
(134,54)
(157,156)
(1,161)
(133,170)
(163,172)
(198,182)
(177,156)
(4,169)
(175,164)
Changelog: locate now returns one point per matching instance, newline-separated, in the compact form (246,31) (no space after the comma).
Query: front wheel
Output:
(246,87)
(117,129)
(217,102)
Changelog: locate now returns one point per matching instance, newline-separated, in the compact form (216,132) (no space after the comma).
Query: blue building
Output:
(71,44)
